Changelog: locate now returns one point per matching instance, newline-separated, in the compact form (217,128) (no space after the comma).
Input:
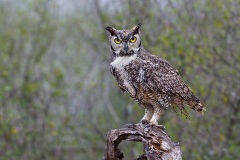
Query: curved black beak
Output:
(125,47)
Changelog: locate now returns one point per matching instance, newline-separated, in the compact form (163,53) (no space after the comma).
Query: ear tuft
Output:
(111,30)
(136,28)
(139,25)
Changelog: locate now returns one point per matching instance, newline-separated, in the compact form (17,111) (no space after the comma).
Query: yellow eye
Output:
(117,41)
(133,39)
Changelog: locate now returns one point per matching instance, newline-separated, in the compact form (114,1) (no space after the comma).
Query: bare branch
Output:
(157,144)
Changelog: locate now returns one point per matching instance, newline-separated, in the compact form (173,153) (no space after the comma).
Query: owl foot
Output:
(145,121)
(149,124)
(145,124)
(147,127)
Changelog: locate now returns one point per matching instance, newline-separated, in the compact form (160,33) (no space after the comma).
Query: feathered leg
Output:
(156,115)
(148,114)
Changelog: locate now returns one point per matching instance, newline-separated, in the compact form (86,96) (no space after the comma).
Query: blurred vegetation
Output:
(58,98)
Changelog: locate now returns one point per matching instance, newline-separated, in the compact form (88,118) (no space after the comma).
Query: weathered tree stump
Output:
(157,144)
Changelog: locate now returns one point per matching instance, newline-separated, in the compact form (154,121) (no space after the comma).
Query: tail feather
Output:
(198,106)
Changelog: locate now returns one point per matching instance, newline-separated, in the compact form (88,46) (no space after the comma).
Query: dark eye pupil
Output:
(133,38)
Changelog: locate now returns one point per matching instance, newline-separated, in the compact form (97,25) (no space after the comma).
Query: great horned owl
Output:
(149,80)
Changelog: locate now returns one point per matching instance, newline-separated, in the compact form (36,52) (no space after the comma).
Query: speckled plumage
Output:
(149,80)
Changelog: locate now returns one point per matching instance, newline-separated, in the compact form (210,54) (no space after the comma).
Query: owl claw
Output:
(145,128)
(145,121)
(147,124)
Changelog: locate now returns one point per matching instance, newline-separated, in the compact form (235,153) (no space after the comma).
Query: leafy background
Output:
(58,98)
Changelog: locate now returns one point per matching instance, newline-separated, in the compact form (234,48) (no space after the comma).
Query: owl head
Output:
(125,42)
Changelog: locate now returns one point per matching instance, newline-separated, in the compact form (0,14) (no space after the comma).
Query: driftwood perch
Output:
(157,144)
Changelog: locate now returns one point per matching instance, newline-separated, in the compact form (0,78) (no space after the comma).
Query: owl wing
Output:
(164,78)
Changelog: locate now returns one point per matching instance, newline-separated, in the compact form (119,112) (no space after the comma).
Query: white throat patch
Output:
(120,62)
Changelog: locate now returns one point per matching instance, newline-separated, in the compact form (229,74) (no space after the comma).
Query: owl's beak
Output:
(125,47)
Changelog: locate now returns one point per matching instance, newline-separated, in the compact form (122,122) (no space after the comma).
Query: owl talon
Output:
(145,121)
(146,127)
(147,124)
